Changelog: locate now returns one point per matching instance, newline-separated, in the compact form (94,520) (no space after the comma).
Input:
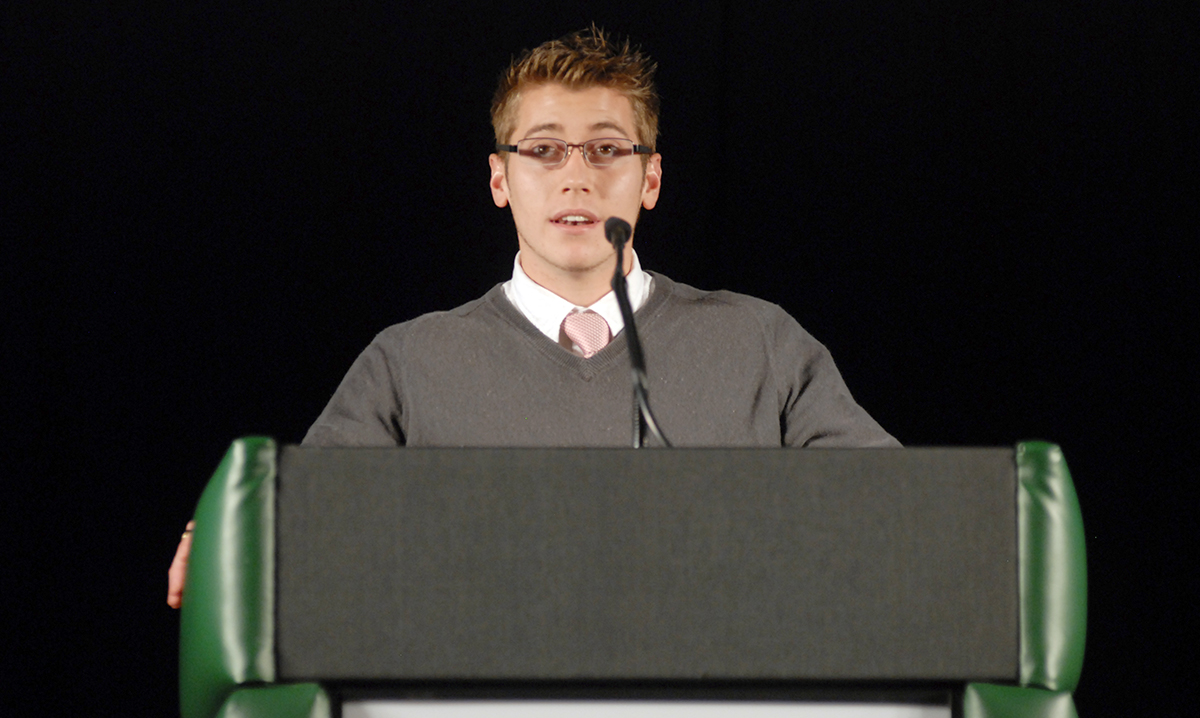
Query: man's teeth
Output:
(574,219)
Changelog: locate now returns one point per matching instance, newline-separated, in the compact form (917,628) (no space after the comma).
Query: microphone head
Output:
(617,231)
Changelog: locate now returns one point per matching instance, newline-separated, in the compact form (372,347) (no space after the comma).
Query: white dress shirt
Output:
(546,310)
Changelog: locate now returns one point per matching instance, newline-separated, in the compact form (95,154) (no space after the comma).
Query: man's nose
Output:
(576,173)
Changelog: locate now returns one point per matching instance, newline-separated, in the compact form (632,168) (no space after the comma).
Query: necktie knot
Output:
(588,331)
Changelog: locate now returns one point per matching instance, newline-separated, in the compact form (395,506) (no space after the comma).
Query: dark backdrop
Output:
(211,207)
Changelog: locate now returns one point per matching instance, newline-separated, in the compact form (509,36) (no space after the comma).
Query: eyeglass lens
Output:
(600,152)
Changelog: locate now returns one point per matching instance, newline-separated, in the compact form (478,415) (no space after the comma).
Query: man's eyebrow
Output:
(555,127)
(608,125)
(551,126)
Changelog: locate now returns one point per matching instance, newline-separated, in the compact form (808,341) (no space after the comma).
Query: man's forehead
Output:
(557,109)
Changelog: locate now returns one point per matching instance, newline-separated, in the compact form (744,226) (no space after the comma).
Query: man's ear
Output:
(499,181)
(652,182)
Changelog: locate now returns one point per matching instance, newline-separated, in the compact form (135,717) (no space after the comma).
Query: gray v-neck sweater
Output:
(724,369)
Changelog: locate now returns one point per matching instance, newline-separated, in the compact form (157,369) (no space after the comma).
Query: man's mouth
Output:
(575,219)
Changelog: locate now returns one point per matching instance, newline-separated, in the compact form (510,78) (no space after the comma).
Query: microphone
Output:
(618,232)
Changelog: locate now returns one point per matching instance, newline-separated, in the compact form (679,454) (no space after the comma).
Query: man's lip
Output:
(588,217)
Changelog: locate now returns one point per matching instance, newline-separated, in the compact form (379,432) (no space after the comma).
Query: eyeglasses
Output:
(552,153)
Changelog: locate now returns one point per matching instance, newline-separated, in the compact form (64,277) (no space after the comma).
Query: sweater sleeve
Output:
(816,408)
(367,408)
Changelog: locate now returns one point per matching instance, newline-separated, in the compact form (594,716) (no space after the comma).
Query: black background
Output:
(211,207)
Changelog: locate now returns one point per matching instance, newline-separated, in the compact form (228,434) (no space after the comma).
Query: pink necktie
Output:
(588,330)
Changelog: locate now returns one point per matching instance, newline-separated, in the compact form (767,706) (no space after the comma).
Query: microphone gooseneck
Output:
(618,232)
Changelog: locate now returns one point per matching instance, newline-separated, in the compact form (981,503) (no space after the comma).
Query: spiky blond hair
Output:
(583,59)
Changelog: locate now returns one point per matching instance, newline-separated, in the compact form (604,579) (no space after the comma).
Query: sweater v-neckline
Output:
(602,360)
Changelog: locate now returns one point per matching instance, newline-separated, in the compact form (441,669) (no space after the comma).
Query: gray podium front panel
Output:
(586,564)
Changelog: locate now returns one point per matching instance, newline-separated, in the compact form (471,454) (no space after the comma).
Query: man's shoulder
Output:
(720,303)
(448,321)
(442,317)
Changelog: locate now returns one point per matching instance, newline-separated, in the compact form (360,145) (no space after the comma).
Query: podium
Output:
(318,577)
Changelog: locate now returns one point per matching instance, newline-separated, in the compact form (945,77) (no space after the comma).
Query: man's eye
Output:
(606,150)
(544,150)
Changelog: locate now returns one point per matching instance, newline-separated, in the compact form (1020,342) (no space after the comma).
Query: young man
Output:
(576,123)
(541,360)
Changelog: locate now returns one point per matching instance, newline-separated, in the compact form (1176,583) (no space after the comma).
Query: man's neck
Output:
(583,288)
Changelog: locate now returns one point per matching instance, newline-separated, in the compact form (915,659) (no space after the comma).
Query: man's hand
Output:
(177,574)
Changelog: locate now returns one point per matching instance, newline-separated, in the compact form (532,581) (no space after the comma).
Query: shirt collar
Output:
(546,310)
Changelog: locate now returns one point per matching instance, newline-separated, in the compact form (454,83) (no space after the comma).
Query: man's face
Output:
(555,247)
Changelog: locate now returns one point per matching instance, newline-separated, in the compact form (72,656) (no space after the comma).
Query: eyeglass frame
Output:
(637,150)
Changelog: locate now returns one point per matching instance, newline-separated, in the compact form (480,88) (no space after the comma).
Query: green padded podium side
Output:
(296,700)
(1053,570)
(987,701)
(227,634)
